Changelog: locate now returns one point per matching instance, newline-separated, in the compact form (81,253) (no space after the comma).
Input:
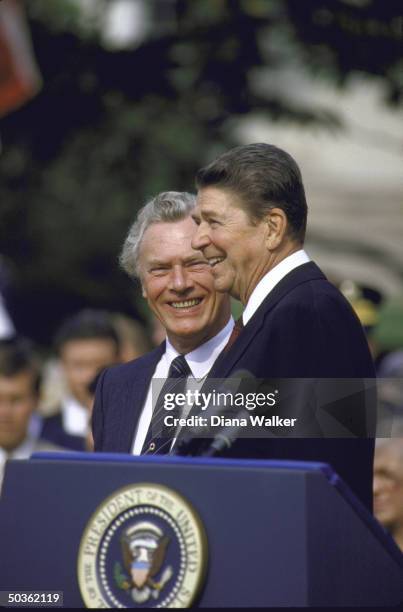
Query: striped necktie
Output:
(159,439)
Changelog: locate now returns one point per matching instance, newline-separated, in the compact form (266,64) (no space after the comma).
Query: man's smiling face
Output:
(234,247)
(178,285)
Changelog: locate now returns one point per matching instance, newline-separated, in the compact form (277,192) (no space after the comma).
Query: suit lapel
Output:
(134,396)
(226,361)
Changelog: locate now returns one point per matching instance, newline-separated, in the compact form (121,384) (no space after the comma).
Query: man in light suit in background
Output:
(251,218)
(178,285)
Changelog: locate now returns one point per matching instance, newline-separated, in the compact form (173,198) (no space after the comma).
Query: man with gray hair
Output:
(177,283)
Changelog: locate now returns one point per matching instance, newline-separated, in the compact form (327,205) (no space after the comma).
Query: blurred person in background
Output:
(366,302)
(387,336)
(19,396)
(390,390)
(89,439)
(388,483)
(133,338)
(86,344)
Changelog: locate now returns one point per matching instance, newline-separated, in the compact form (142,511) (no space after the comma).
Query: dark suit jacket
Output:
(119,400)
(304,328)
(53,431)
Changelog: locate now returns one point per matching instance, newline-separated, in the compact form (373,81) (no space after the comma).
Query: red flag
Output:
(19,75)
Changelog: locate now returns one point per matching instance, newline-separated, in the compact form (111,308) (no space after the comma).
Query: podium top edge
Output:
(75,456)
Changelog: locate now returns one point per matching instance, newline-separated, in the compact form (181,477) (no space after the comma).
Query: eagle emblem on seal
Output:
(144,547)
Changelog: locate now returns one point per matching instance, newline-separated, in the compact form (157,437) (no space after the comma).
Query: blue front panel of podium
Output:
(259,526)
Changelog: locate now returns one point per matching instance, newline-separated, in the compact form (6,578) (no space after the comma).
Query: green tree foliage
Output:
(110,128)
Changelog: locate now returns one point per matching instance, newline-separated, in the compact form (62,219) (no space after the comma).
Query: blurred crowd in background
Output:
(104,103)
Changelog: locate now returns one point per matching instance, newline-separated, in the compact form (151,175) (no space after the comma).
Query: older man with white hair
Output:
(178,285)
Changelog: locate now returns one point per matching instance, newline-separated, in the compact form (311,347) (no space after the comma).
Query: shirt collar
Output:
(270,280)
(201,360)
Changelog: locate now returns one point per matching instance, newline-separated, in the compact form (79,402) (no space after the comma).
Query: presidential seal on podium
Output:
(144,546)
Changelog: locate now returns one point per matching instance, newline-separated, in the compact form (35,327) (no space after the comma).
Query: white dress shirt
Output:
(270,280)
(200,362)
(75,417)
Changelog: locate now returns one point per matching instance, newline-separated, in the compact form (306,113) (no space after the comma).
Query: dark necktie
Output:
(156,442)
(236,330)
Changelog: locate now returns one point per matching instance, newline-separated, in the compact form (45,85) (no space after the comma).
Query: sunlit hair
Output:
(168,207)
(263,177)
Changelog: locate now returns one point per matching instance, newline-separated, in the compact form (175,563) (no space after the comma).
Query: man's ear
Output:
(277,224)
